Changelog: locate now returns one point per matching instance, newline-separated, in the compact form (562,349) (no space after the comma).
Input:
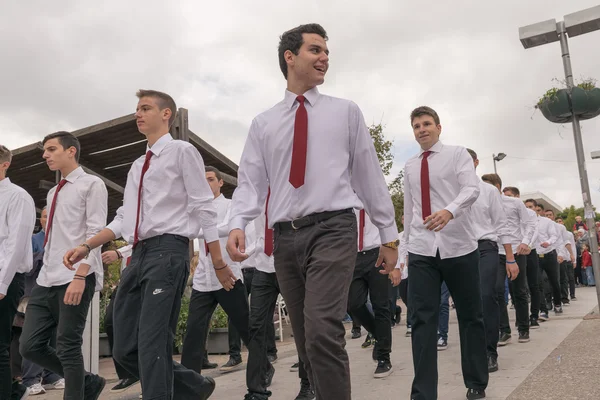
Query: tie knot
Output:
(426,154)
(300,99)
(148,155)
(62,183)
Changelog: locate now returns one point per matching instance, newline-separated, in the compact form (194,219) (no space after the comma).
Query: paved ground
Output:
(545,368)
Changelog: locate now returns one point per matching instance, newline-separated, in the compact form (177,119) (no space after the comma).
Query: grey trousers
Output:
(314,267)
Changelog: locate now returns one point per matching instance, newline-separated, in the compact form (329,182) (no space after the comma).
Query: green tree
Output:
(383,148)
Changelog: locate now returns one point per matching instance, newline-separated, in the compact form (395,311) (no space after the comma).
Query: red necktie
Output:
(206,246)
(298,168)
(62,183)
(268,232)
(425,195)
(361,230)
(128,261)
(139,202)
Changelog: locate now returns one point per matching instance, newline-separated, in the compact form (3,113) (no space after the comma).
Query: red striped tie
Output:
(361,230)
(62,183)
(425,190)
(139,202)
(298,168)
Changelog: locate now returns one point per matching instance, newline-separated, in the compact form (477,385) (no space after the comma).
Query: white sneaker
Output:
(36,389)
(58,385)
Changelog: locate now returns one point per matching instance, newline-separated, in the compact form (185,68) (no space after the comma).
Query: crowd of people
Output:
(311,219)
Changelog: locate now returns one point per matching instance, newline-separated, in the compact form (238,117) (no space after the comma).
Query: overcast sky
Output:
(70,66)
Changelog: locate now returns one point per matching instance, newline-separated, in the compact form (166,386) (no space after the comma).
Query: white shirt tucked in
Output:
(176,198)
(80,213)
(342,169)
(126,252)
(453,187)
(547,233)
(371,239)
(488,215)
(17,220)
(520,225)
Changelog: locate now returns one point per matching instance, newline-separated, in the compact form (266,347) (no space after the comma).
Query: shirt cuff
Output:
(389,234)
(237,223)
(211,233)
(3,288)
(451,208)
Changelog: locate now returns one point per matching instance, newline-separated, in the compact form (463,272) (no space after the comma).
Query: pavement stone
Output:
(517,362)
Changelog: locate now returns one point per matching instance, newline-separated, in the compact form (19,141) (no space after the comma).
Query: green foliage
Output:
(587,84)
(568,215)
(396,189)
(219,318)
(182,323)
(383,148)
(551,94)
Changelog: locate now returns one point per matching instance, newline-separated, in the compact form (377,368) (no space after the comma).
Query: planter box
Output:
(103,346)
(218,341)
(583,103)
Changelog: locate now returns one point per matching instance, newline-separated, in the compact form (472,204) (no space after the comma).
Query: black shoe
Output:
(231,365)
(533,324)
(356,333)
(295,367)
(523,337)
(272,358)
(208,365)
(398,315)
(566,303)
(543,317)
(306,392)
(368,342)
(492,364)
(94,385)
(257,396)
(269,376)
(124,384)
(207,388)
(19,391)
(442,344)
(384,369)
(558,310)
(474,394)
(504,339)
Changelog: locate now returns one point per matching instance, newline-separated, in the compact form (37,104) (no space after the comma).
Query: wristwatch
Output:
(392,245)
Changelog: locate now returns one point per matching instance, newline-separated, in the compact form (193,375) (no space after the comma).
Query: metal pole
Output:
(494,158)
(583,178)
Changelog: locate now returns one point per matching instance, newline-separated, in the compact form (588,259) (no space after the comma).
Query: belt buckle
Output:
(294,226)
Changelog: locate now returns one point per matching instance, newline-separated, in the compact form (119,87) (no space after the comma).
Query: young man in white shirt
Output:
(77,210)
(166,203)
(17,220)
(568,286)
(440,186)
(370,282)
(566,257)
(316,155)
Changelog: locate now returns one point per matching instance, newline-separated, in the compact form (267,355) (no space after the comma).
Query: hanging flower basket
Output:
(556,106)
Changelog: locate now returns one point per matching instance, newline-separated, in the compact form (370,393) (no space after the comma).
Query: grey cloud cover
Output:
(70,64)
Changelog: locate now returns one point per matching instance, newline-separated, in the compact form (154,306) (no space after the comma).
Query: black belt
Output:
(373,250)
(310,220)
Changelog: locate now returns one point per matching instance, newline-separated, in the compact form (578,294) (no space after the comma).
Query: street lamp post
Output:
(549,31)
(498,158)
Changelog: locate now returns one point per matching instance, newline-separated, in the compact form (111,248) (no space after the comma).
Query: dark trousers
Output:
(8,310)
(519,291)
(33,373)
(108,327)
(368,281)
(567,281)
(314,267)
(235,341)
(47,312)
(549,264)
(533,281)
(461,274)
(149,299)
(403,290)
(488,274)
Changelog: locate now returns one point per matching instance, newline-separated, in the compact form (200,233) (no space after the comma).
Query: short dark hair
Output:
(540,205)
(473,154)
(513,189)
(494,179)
(535,203)
(163,100)
(66,140)
(559,219)
(5,154)
(218,173)
(292,40)
(550,210)
(424,110)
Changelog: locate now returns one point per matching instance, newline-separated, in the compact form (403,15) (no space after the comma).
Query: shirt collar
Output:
(436,148)
(4,182)
(311,97)
(160,144)
(76,173)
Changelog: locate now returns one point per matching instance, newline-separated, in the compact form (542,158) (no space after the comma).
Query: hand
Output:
(1,296)
(573,259)
(73,256)
(560,260)
(236,245)
(512,271)
(109,257)
(388,258)
(438,220)
(396,277)
(545,245)
(74,292)
(226,277)
(523,249)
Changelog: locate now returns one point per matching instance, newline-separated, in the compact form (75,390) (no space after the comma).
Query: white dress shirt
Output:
(176,199)
(488,216)
(565,240)
(251,237)
(402,256)
(547,233)
(17,220)
(126,252)
(264,263)
(371,239)
(81,208)
(535,238)
(453,187)
(520,225)
(342,169)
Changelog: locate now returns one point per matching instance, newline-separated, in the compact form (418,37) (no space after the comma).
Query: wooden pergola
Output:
(107,150)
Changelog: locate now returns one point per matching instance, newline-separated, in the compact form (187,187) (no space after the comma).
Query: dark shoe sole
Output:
(121,390)
(494,369)
(208,390)
(383,374)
